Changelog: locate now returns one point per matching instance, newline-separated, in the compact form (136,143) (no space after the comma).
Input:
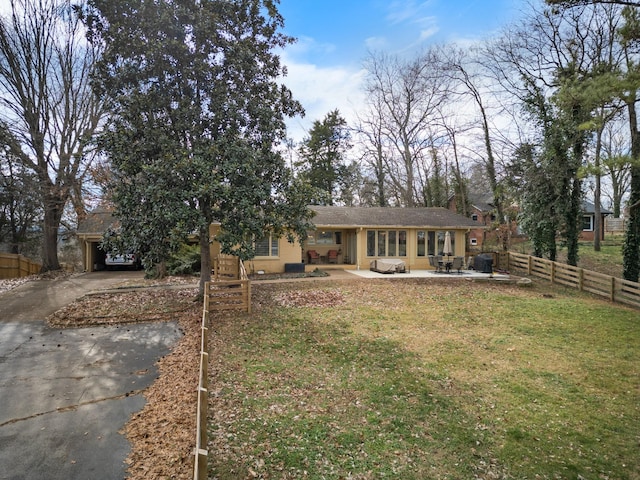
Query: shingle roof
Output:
(97,222)
(389,217)
(588,207)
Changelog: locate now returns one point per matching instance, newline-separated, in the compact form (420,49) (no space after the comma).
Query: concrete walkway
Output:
(66,394)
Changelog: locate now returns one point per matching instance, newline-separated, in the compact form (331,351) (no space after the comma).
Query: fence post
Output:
(581,279)
(613,289)
(553,272)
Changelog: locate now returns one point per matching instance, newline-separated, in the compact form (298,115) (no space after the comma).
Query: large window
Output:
(324,237)
(267,247)
(587,223)
(386,243)
(432,242)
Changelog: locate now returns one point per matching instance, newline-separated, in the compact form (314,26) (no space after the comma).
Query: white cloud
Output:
(321,90)
(376,43)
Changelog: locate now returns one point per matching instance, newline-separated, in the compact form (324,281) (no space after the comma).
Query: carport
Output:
(90,232)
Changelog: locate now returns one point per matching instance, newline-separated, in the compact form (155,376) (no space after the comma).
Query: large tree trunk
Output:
(631,248)
(53,208)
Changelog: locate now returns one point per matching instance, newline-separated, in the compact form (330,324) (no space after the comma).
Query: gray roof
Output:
(97,222)
(436,217)
(588,207)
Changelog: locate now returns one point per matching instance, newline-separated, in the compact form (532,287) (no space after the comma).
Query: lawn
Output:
(424,379)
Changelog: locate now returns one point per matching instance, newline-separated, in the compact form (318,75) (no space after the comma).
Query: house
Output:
(362,234)
(357,234)
(588,221)
(482,212)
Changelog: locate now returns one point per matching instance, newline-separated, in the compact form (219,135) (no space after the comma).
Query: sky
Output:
(334,36)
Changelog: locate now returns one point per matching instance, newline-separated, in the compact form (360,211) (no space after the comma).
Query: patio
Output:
(470,274)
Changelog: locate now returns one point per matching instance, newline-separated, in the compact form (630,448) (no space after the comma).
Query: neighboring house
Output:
(358,234)
(362,234)
(482,212)
(588,221)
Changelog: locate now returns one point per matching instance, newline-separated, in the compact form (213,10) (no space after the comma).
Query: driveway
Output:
(66,394)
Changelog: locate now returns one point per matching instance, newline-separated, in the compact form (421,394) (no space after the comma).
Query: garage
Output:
(90,232)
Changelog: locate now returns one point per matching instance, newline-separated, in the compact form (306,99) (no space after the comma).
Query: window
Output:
(474,241)
(422,243)
(324,237)
(474,217)
(267,247)
(587,223)
(386,243)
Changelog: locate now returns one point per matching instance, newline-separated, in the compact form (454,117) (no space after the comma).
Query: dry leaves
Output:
(310,298)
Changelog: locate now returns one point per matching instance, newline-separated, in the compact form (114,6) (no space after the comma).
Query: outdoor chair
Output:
(332,256)
(458,263)
(313,256)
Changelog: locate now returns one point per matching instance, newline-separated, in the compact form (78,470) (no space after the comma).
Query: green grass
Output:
(416,379)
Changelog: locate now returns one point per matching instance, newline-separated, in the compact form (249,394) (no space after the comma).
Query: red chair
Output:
(332,256)
(313,256)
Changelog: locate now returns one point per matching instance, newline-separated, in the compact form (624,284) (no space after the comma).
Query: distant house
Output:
(588,221)
(482,212)
(346,237)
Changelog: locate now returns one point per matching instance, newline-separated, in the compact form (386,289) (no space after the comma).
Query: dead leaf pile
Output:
(310,298)
(126,307)
(163,434)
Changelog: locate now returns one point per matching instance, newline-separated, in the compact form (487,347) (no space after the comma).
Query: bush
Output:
(186,261)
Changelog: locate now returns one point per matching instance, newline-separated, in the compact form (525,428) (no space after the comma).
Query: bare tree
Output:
(48,112)
(405,98)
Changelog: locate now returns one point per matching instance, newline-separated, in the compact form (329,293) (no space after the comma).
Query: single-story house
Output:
(356,235)
(361,234)
(588,221)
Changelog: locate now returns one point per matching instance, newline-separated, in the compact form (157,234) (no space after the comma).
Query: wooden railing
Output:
(219,295)
(201,452)
(15,266)
(615,289)
(226,267)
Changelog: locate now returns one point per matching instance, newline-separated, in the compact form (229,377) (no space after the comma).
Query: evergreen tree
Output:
(197,109)
(322,158)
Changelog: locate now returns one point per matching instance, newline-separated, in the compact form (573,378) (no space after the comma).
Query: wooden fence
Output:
(15,266)
(219,295)
(201,453)
(231,287)
(226,267)
(615,289)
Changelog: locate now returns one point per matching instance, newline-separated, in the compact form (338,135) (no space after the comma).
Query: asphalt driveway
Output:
(66,394)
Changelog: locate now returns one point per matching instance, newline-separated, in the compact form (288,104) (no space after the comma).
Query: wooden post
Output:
(553,272)
(200,469)
(581,279)
(612,296)
(202,418)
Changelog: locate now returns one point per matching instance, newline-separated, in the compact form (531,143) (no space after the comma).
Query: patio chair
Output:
(314,257)
(458,263)
(332,256)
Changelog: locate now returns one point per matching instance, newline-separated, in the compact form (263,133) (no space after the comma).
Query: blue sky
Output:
(325,65)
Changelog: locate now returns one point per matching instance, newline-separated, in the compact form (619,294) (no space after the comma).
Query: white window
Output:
(267,247)
(587,223)
(474,241)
